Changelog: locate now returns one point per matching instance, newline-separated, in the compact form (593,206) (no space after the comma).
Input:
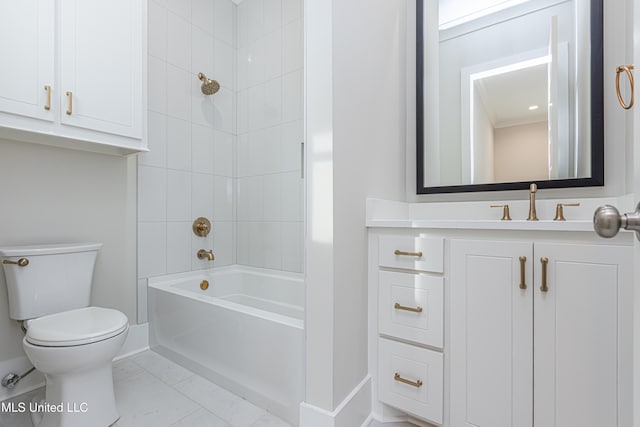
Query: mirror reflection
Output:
(506,94)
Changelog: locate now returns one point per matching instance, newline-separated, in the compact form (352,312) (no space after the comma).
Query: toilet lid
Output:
(76,327)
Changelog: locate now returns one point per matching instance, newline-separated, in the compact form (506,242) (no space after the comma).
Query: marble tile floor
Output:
(155,392)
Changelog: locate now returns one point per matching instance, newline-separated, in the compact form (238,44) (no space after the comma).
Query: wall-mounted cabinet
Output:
(73,73)
(540,334)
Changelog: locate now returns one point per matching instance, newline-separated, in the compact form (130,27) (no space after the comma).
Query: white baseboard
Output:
(137,341)
(354,410)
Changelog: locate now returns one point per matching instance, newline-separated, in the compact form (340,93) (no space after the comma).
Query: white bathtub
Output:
(245,332)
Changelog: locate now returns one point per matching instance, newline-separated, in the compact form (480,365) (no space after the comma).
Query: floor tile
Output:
(167,371)
(269,420)
(201,418)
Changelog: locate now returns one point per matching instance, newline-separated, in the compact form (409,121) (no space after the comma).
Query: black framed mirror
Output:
(509,93)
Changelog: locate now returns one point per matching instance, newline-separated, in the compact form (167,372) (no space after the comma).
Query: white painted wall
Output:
(356,132)
(52,195)
(522,152)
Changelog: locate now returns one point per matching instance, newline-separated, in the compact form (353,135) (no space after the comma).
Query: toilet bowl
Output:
(74,350)
(70,342)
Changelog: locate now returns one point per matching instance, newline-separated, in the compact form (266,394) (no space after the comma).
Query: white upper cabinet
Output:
(27,51)
(101,66)
(78,68)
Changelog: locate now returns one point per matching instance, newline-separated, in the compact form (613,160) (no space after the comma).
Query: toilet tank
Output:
(56,278)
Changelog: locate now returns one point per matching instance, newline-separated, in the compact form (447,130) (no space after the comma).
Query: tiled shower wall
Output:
(270,132)
(233,157)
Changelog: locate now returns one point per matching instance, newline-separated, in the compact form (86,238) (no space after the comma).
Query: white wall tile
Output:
(201,195)
(223,247)
(292,196)
(178,144)
(180,7)
(178,93)
(272,197)
(272,245)
(157,30)
(255,20)
(273,103)
(257,244)
(178,195)
(202,149)
(152,242)
(291,9)
(178,41)
(292,46)
(272,58)
(223,110)
(157,140)
(256,107)
(272,15)
(242,68)
(202,15)
(292,137)
(242,23)
(222,198)
(255,62)
(243,111)
(152,194)
(243,155)
(292,246)
(205,243)
(179,247)
(157,85)
(223,158)
(272,151)
(223,64)
(202,53)
(223,21)
(243,243)
(293,96)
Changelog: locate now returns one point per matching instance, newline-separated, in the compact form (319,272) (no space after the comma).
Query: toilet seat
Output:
(76,327)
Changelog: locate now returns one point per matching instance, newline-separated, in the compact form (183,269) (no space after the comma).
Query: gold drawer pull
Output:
(402,307)
(70,104)
(416,384)
(544,261)
(416,254)
(47,105)
(22,262)
(523,283)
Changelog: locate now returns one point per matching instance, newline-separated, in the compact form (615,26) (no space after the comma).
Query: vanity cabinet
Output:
(73,73)
(540,334)
(410,332)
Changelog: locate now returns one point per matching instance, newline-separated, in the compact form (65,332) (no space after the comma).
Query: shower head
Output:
(209,87)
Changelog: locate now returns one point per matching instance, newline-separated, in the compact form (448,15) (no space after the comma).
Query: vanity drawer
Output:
(410,378)
(412,253)
(411,307)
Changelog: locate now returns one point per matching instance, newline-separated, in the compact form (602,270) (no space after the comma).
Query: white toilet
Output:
(72,344)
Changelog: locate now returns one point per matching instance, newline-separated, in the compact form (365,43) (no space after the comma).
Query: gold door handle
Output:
(416,384)
(627,69)
(523,283)
(416,254)
(22,262)
(47,105)
(402,307)
(70,103)
(544,261)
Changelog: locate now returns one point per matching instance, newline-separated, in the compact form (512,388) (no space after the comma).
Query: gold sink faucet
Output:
(533,188)
(202,254)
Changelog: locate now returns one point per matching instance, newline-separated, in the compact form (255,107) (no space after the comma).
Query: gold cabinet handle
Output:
(627,69)
(416,384)
(402,307)
(416,254)
(70,103)
(22,262)
(523,283)
(544,261)
(47,105)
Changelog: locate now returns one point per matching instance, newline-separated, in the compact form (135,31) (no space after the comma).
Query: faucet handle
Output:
(505,212)
(560,211)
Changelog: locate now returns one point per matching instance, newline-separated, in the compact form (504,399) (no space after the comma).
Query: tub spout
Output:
(202,254)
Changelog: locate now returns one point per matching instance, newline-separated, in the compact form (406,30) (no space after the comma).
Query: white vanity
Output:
(495,323)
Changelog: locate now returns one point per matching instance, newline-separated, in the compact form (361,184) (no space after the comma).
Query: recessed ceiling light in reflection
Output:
(533,107)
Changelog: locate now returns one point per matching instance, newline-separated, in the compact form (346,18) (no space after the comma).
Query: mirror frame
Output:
(597,117)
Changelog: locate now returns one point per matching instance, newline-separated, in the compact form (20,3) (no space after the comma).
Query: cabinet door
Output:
(583,338)
(101,65)
(491,334)
(27,49)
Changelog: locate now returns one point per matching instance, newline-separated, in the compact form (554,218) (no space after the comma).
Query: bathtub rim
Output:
(165,283)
